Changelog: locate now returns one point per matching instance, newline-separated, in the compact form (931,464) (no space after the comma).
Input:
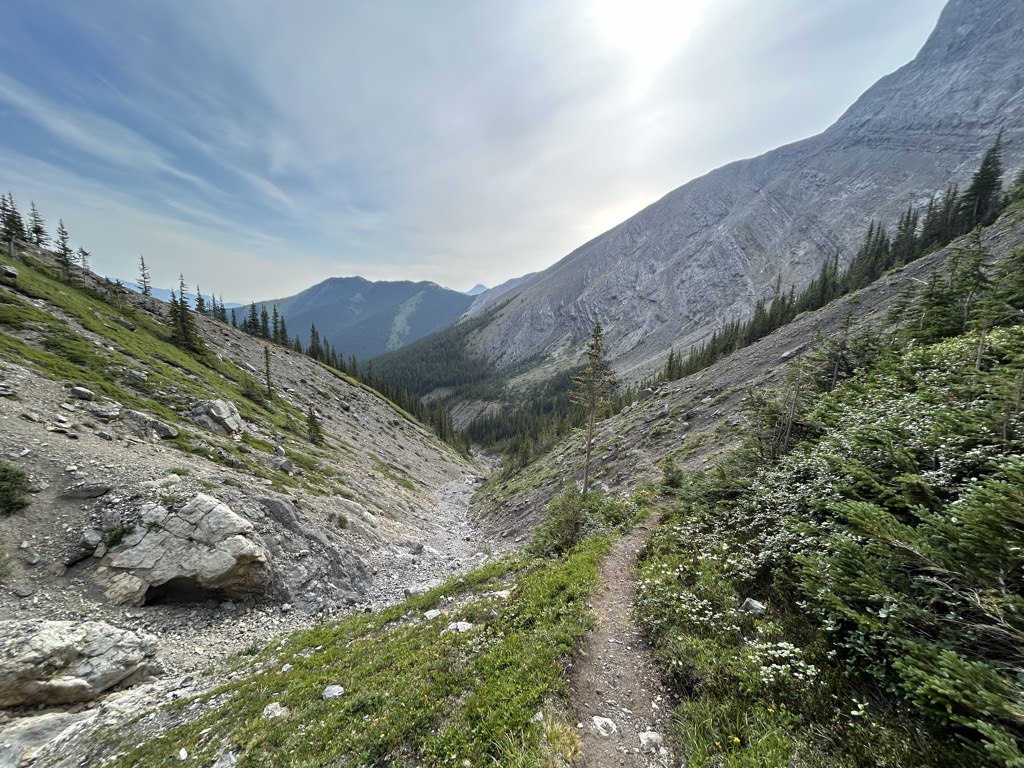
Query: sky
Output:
(257,148)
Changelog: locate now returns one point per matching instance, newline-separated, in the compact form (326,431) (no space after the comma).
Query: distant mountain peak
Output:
(476,290)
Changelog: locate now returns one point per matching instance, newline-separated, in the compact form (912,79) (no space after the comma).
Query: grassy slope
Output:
(414,693)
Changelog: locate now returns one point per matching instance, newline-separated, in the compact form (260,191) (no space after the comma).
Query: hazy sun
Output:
(648,32)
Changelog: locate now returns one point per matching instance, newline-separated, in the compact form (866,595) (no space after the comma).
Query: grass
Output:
(389,472)
(414,692)
(13,489)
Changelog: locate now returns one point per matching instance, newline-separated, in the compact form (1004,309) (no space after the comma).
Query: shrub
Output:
(569,521)
(13,489)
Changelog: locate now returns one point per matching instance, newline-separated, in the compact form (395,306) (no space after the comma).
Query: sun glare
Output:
(648,32)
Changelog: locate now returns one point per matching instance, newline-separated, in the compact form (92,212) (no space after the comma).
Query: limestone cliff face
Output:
(707,251)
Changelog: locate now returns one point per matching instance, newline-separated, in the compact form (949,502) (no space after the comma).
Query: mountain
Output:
(707,251)
(476,290)
(365,318)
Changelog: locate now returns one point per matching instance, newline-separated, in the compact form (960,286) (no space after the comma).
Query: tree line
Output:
(917,233)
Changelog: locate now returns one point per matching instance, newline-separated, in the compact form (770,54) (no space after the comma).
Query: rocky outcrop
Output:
(218,416)
(201,551)
(62,662)
(149,427)
(316,573)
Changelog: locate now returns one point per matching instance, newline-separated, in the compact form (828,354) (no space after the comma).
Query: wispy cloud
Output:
(453,141)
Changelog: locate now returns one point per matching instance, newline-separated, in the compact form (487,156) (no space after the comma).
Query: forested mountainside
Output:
(707,252)
(361,318)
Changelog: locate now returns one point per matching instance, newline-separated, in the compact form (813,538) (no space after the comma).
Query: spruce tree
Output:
(64,252)
(145,283)
(591,390)
(82,257)
(200,302)
(184,329)
(983,199)
(37,229)
(314,430)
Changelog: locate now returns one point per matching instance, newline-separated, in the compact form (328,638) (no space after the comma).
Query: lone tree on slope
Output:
(591,390)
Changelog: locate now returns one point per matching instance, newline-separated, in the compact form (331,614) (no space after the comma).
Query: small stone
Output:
(182,755)
(604,726)
(753,607)
(333,692)
(287,667)
(432,614)
(273,710)
(81,393)
(459,626)
(650,741)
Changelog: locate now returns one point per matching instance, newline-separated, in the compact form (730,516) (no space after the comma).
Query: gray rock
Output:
(282,465)
(333,692)
(108,413)
(202,551)
(87,491)
(61,662)
(81,393)
(604,725)
(650,741)
(8,272)
(149,427)
(21,738)
(33,416)
(91,538)
(753,607)
(226,761)
(124,323)
(218,416)
(273,709)
(459,626)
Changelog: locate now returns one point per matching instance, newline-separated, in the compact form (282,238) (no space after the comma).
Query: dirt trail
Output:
(620,703)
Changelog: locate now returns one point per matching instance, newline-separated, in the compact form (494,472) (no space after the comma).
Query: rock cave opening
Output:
(181,590)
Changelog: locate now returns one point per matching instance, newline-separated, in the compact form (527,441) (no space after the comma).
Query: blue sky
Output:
(261,147)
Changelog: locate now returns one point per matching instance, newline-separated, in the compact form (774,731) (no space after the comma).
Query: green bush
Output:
(13,489)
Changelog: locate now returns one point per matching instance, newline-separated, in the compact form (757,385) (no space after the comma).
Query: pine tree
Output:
(64,252)
(145,281)
(200,301)
(13,226)
(591,390)
(37,229)
(264,329)
(983,199)
(252,322)
(82,256)
(184,329)
(282,329)
(314,430)
(314,349)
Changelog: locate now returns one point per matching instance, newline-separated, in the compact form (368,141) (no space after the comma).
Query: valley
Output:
(798,540)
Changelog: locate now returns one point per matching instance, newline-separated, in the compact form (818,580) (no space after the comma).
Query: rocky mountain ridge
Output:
(703,254)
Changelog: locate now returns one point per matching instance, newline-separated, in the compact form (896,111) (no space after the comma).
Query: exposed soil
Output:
(615,676)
